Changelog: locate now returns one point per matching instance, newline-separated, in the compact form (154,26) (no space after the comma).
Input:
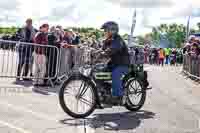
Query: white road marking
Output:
(37,114)
(21,130)
(78,128)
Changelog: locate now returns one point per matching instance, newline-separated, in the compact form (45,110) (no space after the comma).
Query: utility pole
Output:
(188,29)
(132,27)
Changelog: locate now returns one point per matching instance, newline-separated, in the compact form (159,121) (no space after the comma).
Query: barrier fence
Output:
(28,61)
(40,62)
(191,65)
(72,58)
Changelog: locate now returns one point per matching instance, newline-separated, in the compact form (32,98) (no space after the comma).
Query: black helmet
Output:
(111,26)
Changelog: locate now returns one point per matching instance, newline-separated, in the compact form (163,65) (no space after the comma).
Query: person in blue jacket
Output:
(117,51)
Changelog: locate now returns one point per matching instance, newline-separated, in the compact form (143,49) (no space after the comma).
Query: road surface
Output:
(172,106)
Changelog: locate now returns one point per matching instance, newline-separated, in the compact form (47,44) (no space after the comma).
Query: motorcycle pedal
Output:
(98,106)
(107,106)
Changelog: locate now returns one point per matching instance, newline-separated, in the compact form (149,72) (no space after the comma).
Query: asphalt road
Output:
(172,106)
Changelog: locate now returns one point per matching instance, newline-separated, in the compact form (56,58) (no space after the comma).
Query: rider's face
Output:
(108,34)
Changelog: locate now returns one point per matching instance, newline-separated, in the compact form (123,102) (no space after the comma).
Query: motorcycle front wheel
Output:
(136,95)
(77,97)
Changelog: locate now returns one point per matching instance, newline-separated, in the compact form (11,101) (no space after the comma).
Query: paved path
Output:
(172,106)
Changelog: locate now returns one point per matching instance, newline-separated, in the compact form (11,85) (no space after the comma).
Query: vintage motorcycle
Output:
(89,88)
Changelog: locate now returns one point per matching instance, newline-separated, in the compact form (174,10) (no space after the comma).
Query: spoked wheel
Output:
(136,95)
(78,97)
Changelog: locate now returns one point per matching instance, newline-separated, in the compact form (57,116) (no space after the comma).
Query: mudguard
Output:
(138,73)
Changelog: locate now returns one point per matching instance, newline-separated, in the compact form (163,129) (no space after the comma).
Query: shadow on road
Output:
(115,121)
(23,83)
(46,90)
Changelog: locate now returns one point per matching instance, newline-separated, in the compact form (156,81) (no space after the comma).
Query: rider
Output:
(115,47)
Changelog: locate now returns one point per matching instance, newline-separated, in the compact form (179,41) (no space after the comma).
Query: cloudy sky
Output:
(92,13)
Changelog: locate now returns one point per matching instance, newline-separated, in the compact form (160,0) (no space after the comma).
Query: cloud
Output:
(61,12)
(187,11)
(150,17)
(143,3)
(155,16)
(94,13)
(2,18)
(83,13)
(8,5)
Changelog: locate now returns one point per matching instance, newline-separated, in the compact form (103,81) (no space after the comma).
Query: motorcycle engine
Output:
(105,91)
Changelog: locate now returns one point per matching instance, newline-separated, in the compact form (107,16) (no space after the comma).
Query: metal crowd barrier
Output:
(21,60)
(191,65)
(65,62)
(71,59)
(28,60)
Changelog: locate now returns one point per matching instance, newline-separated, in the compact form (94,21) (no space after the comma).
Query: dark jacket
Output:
(68,40)
(118,51)
(76,40)
(23,34)
(52,41)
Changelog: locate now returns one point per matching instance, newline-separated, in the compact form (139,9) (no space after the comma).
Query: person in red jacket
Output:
(41,38)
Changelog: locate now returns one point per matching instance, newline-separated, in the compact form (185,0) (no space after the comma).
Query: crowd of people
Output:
(29,54)
(192,47)
(158,56)
(161,56)
(191,52)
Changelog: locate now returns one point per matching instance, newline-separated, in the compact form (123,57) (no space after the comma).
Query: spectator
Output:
(196,47)
(39,56)
(76,39)
(186,47)
(61,31)
(59,35)
(167,53)
(173,56)
(145,55)
(191,39)
(26,34)
(94,43)
(179,56)
(155,56)
(67,38)
(161,56)
(68,43)
(52,54)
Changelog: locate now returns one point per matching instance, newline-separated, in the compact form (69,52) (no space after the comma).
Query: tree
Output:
(125,36)
(198,25)
(141,40)
(174,34)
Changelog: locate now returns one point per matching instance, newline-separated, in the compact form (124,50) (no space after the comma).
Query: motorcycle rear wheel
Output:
(129,102)
(90,88)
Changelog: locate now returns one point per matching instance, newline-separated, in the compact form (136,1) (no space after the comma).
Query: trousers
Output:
(39,67)
(117,83)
